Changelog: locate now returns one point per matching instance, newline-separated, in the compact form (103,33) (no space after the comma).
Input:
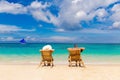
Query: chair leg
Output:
(40,64)
(70,63)
(81,62)
(52,64)
(44,63)
(48,63)
(69,60)
(76,64)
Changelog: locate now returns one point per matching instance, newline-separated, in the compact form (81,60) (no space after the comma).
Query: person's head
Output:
(75,46)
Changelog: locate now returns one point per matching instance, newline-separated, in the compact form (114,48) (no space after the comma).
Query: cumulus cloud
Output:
(115,25)
(36,10)
(81,14)
(40,12)
(115,17)
(13,8)
(116,8)
(101,14)
(11,28)
(71,12)
(116,11)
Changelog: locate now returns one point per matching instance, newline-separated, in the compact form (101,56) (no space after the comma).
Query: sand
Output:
(59,72)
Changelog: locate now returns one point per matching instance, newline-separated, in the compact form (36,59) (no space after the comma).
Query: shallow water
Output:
(29,53)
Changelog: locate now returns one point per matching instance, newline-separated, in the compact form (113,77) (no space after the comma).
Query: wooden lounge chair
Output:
(75,56)
(47,59)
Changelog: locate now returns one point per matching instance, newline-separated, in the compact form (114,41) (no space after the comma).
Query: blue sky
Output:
(84,21)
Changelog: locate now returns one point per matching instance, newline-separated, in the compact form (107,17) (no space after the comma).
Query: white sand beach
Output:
(59,72)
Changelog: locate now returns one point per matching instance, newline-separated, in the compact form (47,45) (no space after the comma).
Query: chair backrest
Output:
(74,53)
(46,54)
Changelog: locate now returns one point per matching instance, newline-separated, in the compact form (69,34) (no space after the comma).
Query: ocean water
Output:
(29,53)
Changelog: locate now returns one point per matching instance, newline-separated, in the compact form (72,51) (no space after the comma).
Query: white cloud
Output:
(39,15)
(94,31)
(61,38)
(81,15)
(40,12)
(9,38)
(76,1)
(116,12)
(72,12)
(115,17)
(36,4)
(29,38)
(115,25)
(70,15)
(116,8)
(49,39)
(36,9)
(13,8)
(101,13)
(11,28)
(60,30)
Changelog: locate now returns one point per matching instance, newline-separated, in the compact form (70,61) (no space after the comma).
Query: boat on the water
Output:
(22,41)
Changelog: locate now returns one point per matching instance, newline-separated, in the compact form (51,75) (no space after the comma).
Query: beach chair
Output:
(75,56)
(47,59)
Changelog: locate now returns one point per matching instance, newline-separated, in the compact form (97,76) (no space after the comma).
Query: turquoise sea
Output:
(16,53)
